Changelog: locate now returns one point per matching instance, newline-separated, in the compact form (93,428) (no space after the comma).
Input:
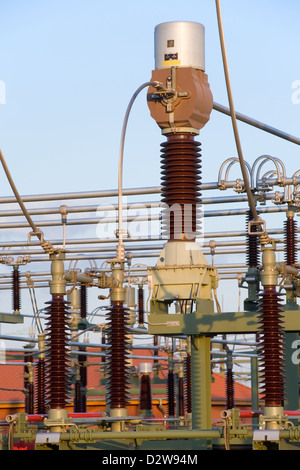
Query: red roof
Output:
(12,380)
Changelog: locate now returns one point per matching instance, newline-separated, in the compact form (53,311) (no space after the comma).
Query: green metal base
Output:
(11,318)
(205,322)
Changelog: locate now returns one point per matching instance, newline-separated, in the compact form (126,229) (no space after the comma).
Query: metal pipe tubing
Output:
(143,435)
(132,219)
(82,195)
(259,125)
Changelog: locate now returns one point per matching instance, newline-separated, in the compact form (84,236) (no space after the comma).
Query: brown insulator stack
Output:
(103,341)
(118,349)
(252,242)
(230,402)
(82,360)
(188,384)
(40,387)
(57,355)
(78,397)
(181,170)
(271,348)
(141,305)
(16,289)
(180,396)
(155,353)
(171,393)
(28,385)
(145,393)
(290,233)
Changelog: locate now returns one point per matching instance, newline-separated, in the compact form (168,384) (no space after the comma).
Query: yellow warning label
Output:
(169,63)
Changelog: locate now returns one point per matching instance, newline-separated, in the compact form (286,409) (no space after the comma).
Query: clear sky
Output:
(70,67)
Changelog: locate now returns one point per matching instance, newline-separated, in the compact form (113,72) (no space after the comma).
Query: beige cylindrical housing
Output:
(179,43)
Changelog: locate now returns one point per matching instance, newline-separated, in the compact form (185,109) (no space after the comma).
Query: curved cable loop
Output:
(265,159)
(120,232)
(231,162)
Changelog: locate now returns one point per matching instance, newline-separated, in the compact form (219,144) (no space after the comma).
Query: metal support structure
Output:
(201,384)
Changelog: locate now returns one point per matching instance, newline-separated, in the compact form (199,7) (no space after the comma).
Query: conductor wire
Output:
(233,116)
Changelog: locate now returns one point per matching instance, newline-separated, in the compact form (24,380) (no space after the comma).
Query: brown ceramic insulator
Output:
(181,170)
(29,400)
(290,233)
(271,348)
(117,352)
(78,397)
(141,305)
(40,387)
(188,384)
(155,352)
(83,301)
(145,393)
(29,387)
(180,397)
(252,242)
(103,341)
(16,289)
(230,402)
(171,393)
(82,361)
(82,358)
(57,355)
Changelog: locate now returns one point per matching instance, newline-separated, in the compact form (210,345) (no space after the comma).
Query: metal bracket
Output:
(257,223)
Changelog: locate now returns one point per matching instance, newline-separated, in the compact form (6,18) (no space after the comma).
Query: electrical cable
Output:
(233,116)
(121,155)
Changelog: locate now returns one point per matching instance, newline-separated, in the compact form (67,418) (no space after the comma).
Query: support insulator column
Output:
(82,359)
(118,349)
(188,383)
(180,392)
(271,333)
(40,378)
(57,356)
(40,387)
(230,399)
(181,170)
(272,347)
(145,389)
(290,233)
(141,305)
(171,393)
(252,243)
(16,290)
(78,396)
(28,384)
(171,384)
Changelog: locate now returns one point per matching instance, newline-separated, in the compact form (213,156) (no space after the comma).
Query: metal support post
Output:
(201,386)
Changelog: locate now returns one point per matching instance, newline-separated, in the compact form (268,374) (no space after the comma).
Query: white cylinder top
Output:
(179,43)
(145,368)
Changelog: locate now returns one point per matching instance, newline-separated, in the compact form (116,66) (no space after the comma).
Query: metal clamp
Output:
(257,223)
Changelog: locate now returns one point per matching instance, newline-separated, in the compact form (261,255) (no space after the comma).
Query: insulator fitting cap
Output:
(269,274)
(58,281)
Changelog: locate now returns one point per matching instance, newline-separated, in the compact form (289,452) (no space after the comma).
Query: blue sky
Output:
(71,67)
